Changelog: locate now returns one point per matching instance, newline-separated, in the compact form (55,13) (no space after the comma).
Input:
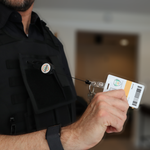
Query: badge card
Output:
(133,91)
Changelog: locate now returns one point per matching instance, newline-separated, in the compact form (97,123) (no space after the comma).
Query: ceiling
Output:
(134,6)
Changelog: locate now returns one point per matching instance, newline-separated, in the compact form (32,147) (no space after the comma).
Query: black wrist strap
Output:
(53,138)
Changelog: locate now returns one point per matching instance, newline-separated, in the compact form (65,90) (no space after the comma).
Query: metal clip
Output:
(92,86)
(97,84)
(91,93)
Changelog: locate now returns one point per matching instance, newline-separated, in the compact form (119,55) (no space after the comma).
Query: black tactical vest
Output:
(31,100)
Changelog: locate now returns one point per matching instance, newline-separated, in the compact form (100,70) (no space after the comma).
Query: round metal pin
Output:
(46,68)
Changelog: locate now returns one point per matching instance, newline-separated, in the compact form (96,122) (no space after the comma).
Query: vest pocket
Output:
(46,91)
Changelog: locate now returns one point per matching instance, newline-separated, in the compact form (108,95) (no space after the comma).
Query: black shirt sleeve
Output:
(66,67)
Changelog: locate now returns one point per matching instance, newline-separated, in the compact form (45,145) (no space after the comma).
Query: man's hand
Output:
(106,113)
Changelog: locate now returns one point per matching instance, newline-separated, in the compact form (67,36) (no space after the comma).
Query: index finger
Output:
(120,94)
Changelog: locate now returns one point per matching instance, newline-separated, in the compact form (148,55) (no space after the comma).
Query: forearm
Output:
(31,141)
(37,141)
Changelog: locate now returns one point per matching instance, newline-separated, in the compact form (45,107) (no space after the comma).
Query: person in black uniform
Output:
(21,30)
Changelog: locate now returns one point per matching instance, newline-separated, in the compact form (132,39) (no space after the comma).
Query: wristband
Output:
(53,138)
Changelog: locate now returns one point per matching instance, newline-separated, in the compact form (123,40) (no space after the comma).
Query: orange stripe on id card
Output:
(127,87)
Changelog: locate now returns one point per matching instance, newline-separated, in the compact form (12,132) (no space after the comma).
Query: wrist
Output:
(70,138)
(67,138)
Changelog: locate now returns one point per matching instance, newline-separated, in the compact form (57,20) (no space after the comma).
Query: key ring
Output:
(91,90)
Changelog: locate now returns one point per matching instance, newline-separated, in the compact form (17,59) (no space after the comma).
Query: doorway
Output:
(100,54)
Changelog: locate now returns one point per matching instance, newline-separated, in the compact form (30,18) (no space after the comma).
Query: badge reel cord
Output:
(48,67)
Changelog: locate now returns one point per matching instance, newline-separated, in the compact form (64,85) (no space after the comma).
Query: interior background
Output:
(67,17)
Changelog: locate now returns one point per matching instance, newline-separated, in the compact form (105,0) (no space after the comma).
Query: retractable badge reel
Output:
(46,68)
(133,91)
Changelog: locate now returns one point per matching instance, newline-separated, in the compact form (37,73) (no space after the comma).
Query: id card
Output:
(133,91)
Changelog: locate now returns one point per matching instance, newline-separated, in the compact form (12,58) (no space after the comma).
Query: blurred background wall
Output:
(78,23)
